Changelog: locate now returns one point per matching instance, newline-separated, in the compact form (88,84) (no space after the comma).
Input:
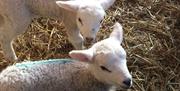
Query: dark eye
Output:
(79,19)
(101,21)
(105,69)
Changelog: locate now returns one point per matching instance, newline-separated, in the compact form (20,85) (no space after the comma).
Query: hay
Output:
(152,41)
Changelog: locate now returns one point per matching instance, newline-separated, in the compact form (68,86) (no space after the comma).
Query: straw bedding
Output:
(151,39)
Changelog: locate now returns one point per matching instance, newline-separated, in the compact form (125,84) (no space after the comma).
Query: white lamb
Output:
(79,16)
(100,68)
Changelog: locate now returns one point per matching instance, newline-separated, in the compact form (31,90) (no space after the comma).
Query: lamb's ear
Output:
(82,55)
(117,32)
(69,5)
(106,3)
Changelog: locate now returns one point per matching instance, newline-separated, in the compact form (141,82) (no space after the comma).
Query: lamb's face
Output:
(89,19)
(89,15)
(107,59)
(109,65)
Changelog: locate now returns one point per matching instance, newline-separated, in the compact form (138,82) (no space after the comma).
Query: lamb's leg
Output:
(6,43)
(12,27)
(6,36)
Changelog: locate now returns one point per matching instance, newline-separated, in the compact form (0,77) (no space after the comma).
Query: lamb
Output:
(100,68)
(82,19)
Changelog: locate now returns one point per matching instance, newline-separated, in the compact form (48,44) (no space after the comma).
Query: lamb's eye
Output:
(79,19)
(105,69)
(101,21)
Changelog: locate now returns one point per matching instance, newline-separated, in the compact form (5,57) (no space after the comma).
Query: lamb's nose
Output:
(127,82)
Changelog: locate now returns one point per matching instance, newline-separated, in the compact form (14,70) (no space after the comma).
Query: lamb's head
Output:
(89,15)
(107,59)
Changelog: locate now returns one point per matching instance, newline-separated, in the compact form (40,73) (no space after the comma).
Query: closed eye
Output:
(101,21)
(105,69)
(79,19)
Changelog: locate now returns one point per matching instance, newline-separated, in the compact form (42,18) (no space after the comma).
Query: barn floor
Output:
(151,39)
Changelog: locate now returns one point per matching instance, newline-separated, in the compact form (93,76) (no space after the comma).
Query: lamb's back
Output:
(46,8)
(40,75)
(50,75)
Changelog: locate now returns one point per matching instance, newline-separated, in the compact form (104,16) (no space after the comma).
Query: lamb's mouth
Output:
(120,87)
(89,43)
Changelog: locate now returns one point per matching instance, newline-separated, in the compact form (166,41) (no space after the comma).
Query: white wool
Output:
(94,69)
(82,20)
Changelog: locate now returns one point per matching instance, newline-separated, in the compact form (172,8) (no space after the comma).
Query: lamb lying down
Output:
(100,68)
